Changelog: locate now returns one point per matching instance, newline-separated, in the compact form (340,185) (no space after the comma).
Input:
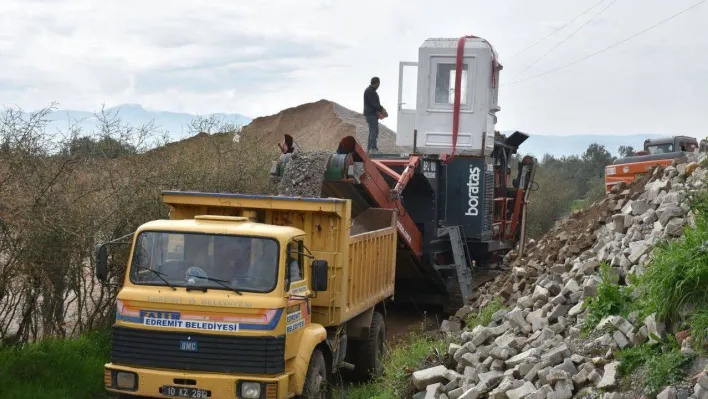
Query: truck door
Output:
(294,272)
(297,313)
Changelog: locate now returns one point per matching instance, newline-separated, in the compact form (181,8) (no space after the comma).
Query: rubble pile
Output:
(533,348)
(317,129)
(304,174)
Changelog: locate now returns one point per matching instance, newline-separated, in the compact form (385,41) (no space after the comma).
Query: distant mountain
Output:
(176,122)
(135,115)
(540,144)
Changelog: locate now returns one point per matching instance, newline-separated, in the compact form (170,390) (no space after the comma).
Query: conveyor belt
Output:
(351,174)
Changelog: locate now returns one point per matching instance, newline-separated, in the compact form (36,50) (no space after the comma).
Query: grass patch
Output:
(673,287)
(578,205)
(662,365)
(55,368)
(699,329)
(407,356)
(667,369)
(632,358)
(678,275)
(484,317)
(611,299)
(401,360)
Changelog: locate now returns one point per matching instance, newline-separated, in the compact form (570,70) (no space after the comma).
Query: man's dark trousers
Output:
(373,121)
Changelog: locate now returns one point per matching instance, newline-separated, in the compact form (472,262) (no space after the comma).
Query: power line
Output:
(557,30)
(610,46)
(564,40)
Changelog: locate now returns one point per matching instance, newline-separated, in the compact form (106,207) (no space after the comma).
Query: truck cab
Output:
(247,297)
(669,145)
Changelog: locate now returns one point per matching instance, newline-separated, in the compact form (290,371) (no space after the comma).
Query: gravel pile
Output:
(319,125)
(304,174)
(534,348)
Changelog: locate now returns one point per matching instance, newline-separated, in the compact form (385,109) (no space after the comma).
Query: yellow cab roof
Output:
(222,225)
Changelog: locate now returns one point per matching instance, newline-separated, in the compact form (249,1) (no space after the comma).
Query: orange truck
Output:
(656,152)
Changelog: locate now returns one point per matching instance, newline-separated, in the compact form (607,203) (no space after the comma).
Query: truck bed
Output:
(372,261)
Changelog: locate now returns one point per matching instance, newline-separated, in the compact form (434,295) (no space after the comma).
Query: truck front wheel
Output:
(316,382)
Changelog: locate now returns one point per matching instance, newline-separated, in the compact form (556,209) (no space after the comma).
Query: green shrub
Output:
(611,299)
(565,184)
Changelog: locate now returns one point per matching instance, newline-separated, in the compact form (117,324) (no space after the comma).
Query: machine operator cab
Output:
(668,145)
(426,98)
(447,108)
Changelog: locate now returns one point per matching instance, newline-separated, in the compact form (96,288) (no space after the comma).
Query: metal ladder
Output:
(461,255)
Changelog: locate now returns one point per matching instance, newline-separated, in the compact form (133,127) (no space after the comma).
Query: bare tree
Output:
(58,201)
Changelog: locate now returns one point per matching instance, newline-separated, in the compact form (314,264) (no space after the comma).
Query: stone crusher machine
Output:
(460,205)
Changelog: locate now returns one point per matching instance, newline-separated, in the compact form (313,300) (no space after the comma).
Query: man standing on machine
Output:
(373,111)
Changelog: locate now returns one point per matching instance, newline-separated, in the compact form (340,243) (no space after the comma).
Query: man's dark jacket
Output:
(371,101)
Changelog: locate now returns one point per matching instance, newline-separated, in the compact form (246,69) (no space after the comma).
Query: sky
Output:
(257,57)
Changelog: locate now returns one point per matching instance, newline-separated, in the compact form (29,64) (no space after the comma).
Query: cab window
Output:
(689,147)
(660,149)
(294,262)
(445,84)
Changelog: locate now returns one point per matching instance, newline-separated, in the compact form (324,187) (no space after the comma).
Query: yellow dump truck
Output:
(245,296)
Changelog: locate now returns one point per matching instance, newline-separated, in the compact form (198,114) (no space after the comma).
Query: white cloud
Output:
(256,57)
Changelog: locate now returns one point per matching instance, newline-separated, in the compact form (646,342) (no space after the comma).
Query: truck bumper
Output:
(150,382)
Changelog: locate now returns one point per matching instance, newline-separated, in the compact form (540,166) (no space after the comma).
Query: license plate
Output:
(179,392)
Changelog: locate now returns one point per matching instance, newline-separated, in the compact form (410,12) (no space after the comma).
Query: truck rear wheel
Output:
(368,361)
(316,381)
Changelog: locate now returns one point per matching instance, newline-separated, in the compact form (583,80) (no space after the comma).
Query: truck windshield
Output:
(660,148)
(240,263)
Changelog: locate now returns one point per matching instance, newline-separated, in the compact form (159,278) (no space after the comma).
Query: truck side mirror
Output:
(319,275)
(102,262)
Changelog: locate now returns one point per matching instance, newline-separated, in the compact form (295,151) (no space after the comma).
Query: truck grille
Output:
(161,349)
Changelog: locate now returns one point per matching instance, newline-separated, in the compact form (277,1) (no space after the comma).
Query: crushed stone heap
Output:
(319,125)
(533,348)
(304,174)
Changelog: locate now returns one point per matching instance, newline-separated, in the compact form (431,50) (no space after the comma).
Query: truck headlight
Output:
(126,380)
(250,390)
